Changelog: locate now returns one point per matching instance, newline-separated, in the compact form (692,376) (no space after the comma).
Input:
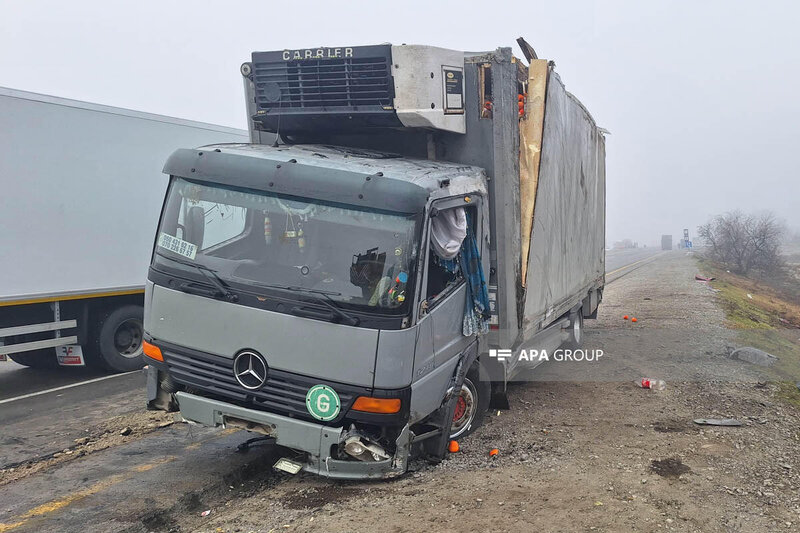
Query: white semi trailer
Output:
(80,192)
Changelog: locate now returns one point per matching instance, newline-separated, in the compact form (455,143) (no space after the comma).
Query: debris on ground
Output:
(705,279)
(754,356)
(126,431)
(494,452)
(206,512)
(453,447)
(97,437)
(717,422)
(654,384)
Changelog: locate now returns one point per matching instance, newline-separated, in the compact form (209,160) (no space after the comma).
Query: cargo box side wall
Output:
(567,250)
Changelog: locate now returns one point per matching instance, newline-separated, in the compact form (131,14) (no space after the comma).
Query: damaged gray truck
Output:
(357,281)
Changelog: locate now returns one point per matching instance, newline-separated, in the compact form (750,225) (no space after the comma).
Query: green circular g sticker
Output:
(323,402)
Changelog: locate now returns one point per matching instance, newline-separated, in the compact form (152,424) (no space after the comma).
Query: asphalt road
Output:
(17,380)
(617,260)
(155,471)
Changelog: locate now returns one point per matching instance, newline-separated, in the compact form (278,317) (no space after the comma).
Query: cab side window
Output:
(448,230)
(440,279)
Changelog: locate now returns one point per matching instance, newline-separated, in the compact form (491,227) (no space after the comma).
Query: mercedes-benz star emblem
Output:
(250,370)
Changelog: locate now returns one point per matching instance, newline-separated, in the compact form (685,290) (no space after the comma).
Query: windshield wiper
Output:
(210,275)
(328,302)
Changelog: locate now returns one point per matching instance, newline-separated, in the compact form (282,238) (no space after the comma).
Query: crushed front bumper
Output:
(316,440)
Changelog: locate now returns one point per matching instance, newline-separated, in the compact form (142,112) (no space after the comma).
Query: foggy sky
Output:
(701,98)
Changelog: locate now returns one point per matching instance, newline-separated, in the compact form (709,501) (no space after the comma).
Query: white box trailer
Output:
(81,191)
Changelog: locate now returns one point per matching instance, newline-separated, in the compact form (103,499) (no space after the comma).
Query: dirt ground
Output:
(583,448)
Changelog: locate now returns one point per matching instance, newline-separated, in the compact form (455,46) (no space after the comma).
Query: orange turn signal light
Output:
(152,351)
(368,404)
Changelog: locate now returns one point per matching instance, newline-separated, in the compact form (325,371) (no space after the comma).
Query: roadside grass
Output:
(764,308)
(766,319)
(789,393)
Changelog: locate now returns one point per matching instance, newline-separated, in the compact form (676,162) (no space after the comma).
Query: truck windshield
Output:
(257,241)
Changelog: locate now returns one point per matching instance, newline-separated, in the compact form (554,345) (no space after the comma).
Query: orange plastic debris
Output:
(453,446)
(625,317)
(634,319)
(494,452)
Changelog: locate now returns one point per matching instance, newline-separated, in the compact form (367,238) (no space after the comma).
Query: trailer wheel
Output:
(118,339)
(471,404)
(576,330)
(45,358)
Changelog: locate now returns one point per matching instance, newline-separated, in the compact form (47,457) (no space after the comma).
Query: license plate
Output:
(286,465)
(70,355)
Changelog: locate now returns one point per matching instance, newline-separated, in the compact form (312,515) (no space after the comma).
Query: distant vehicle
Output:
(82,189)
(666,242)
(387,268)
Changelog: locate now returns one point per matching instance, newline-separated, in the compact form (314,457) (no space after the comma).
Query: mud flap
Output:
(499,399)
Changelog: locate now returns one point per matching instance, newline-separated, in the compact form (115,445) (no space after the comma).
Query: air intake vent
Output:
(353,81)
(324,83)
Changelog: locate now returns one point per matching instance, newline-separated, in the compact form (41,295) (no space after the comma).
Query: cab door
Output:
(445,294)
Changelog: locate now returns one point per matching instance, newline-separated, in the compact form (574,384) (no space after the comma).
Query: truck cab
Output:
(281,270)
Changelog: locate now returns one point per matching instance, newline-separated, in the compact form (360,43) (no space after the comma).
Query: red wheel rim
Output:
(461,408)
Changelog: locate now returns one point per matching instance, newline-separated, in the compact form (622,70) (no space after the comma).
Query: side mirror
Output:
(423,308)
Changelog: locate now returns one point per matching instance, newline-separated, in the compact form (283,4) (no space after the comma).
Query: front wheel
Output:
(471,403)
(117,343)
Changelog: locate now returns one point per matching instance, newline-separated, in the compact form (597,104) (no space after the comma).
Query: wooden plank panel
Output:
(530,150)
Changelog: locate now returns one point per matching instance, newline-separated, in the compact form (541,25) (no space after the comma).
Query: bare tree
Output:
(745,243)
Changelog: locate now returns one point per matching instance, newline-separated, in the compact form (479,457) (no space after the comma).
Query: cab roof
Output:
(352,175)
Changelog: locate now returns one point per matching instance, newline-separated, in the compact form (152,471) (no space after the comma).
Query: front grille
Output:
(363,80)
(284,393)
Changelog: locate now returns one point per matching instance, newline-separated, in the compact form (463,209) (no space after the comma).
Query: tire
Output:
(117,340)
(45,358)
(473,402)
(576,332)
